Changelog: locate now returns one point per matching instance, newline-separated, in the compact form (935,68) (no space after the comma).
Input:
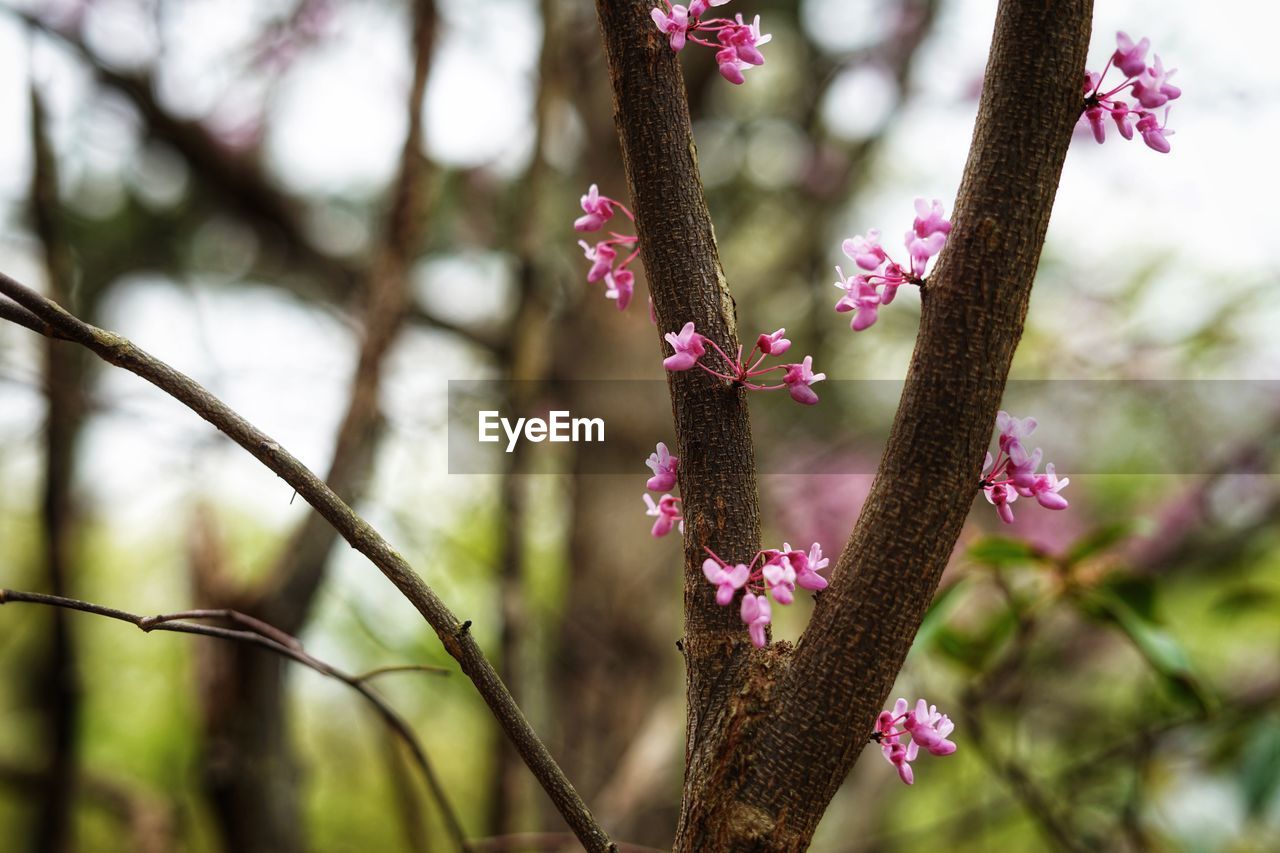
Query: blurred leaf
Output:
(1139,593)
(1242,599)
(1099,540)
(1157,645)
(1260,769)
(943,603)
(1001,552)
(974,649)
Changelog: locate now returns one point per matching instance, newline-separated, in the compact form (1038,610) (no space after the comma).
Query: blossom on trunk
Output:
(619,282)
(664,467)
(746,372)
(926,728)
(771,574)
(1012,472)
(868,291)
(667,512)
(1148,85)
(737,43)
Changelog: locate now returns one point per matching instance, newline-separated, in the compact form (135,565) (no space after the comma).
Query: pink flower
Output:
(892,277)
(675,25)
(1129,57)
(922,249)
(895,752)
(602,255)
(1154,133)
(1148,84)
(900,757)
(799,377)
(780,577)
(1152,88)
(741,49)
(861,296)
(1046,488)
(1022,465)
(664,467)
(743,39)
(730,66)
(755,613)
(667,512)
(697,8)
(1001,495)
(930,219)
(598,210)
(927,728)
(1097,122)
(727,581)
(688,348)
(865,251)
(1122,116)
(773,344)
(807,567)
(1012,472)
(1013,429)
(930,729)
(619,285)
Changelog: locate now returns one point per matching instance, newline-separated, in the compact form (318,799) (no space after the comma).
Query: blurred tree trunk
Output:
(55,680)
(250,770)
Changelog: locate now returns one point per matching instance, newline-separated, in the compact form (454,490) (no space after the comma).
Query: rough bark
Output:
(766,752)
(686,282)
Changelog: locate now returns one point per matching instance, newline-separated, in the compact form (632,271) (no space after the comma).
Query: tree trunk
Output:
(772,734)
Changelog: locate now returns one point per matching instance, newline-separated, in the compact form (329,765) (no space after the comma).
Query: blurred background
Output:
(324,210)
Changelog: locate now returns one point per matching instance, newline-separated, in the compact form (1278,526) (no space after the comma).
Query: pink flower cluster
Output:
(865,292)
(1149,86)
(667,508)
(739,42)
(926,727)
(778,575)
(619,282)
(1013,471)
(690,346)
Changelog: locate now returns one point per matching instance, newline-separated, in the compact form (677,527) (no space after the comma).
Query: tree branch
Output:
(973,311)
(713,433)
(770,752)
(455,635)
(272,639)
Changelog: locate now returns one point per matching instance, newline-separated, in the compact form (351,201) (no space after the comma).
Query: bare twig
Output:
(459,643)
(550,841)
(409,667)
(272,639)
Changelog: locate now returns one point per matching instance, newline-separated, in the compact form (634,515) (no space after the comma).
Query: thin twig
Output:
(149,623)
(553,841)
(408,667)
(272,639)
(461,645)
